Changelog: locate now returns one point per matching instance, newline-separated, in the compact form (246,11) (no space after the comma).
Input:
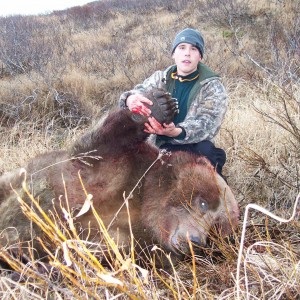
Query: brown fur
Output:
(167,208)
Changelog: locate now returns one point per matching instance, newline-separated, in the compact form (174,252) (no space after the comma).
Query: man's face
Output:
(186,57)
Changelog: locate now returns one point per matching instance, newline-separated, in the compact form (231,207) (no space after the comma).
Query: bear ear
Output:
(138,118)
(201,160)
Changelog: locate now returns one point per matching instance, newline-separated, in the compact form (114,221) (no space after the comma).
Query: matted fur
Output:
(180,198)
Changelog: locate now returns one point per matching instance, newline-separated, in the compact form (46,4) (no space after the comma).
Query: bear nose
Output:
(195,240)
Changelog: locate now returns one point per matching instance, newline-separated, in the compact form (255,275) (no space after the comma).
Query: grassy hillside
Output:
(60,72)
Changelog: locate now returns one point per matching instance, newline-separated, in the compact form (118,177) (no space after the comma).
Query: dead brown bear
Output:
(180,198)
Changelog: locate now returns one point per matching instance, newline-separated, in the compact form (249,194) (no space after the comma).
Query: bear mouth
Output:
(181,246)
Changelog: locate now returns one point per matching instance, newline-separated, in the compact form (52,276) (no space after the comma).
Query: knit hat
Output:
(190,36)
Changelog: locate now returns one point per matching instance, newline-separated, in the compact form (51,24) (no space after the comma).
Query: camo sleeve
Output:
(206,114)
(154,81)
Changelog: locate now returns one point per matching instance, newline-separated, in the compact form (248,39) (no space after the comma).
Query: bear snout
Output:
(181,240)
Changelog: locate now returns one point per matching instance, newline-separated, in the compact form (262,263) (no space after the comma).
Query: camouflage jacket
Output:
(207,103)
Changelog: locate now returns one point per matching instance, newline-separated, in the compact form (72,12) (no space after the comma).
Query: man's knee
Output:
(216,156)
(204,148)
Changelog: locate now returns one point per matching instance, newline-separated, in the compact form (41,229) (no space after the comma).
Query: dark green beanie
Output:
(190,36)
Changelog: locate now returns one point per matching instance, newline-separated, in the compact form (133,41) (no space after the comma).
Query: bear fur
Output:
(180,198)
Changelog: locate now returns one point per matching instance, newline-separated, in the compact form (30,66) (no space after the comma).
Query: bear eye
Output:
(203,206)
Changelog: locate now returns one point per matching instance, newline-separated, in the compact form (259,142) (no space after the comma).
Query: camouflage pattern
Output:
(206,112)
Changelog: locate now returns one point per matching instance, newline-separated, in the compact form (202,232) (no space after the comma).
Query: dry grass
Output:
(79,70)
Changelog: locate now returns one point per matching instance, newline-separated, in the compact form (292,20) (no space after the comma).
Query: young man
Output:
(201,97)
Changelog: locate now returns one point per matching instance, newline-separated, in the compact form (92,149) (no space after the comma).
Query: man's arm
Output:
(205,115)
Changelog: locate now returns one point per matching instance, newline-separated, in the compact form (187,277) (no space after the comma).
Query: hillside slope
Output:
(60,72)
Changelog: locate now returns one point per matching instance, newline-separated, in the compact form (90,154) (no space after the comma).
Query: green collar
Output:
(205,73)
(191,77)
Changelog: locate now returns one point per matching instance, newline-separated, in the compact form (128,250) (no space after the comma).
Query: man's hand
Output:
(156,102)
(136,102)
(155,127)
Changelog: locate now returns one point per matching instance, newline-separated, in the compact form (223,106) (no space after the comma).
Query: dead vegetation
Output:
(60,72)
